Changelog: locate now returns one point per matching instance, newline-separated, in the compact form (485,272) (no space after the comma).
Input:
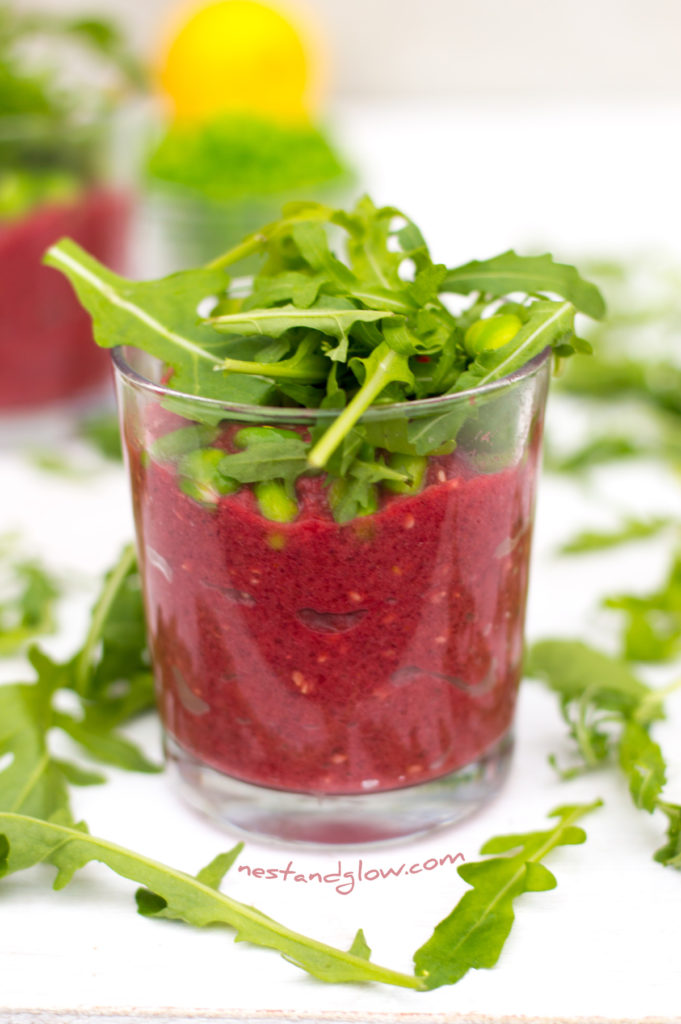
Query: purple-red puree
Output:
(327,658)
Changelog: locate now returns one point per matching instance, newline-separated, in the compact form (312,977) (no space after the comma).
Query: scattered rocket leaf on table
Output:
(28,841)
(652,630)
(610,713)
(110,681)
(473,935)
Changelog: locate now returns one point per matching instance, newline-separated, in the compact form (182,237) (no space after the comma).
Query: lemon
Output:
(239,56)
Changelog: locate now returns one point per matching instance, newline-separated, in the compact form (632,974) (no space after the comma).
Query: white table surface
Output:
(605,945)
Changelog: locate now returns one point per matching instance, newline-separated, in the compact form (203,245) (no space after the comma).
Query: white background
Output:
(526,124)
(458,49)
(605,943)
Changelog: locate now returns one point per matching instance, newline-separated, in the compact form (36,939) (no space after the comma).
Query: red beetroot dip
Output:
(46,349)
(325,658)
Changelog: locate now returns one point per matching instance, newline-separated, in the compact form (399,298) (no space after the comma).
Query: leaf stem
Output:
(160,878)
(370,389)
(653,698)
(239,252)
(312,370)
(83,666)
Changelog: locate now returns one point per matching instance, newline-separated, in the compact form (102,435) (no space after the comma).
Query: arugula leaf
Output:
(610,712)
(631,530)
(382,306)
(548,324)
(669,855)
(595,452)
(572,668)
(509,273)
(473,935)
(103,433)
(642,762)
(276,321)
(159,317)
(354,493)
(174,894)
(28,609)
(278,459)
(381,368)
(652,630)
(32,782)
(109,681)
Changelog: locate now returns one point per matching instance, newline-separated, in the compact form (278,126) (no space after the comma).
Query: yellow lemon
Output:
(239,56)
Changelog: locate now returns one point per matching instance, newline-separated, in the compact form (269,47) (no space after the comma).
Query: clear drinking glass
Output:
(52,186)
(336,682)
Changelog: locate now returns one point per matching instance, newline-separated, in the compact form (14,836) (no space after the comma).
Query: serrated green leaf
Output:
(160,317)
(28,597)
(473,935)
(546,325)
(600,540)
(360,947)
(508,273)
(278,459)
(213,874)
(670,854)
(571,668)
(642,762)
(652,629)
(275,322)
(172,893)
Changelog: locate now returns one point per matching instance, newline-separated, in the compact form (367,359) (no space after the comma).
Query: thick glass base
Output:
(338,819)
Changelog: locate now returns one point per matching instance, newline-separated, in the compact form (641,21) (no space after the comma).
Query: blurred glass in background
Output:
(54,181)
(239,130)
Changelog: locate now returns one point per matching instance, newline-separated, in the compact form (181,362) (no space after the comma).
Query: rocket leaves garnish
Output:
(652,630)
(167,892)
(472,936)
(108,682)
(474,933)
(534,275)
(314,326)
(28,596)
(630,530)
(610,712)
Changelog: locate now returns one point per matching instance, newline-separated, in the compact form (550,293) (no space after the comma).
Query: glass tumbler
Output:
(52,185)
(335,681)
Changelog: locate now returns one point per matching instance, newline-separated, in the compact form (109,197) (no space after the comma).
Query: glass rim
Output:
(431,404)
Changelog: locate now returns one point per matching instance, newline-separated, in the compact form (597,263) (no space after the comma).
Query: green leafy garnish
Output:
(599,540)
(345,334)
(475,932)
(652,630)
(108,682)
(609,712)
(26,841)
(28,597)
(472,936)
(101,431)
(536,275)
